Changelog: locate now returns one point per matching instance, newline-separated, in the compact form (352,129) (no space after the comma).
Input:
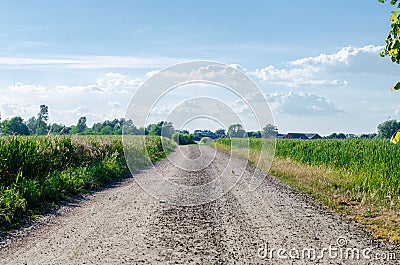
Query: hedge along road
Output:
(125,225)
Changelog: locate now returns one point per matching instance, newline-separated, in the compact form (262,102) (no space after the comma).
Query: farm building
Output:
(303,136)
(313,136)
(296,136)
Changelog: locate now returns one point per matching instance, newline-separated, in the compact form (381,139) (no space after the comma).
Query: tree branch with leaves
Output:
(392,48)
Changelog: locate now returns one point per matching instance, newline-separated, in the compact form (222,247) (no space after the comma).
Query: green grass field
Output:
(356,177)
(37,171)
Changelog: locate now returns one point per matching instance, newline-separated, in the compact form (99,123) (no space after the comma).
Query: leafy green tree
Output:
(81,125)
(392,48)
(332,136)
(107,130)
(270,131)
(388,128)
(57,128)
(183,138)
(162,128)
(167,129)
(15,126)
(117,131)
(130,128)
(43,113)
(96,128)
(368,136)
(32,125)
(41,121)
(220,131)
(1,126)
(236,131)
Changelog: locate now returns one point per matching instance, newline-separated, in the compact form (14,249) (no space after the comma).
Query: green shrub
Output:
(183,139)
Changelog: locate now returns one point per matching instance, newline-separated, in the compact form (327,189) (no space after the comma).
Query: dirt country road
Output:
(125,225)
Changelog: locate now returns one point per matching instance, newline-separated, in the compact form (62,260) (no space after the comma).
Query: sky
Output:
(316,62)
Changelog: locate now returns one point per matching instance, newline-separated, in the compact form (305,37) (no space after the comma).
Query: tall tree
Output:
(41,121)
(236,131)
(392,48)
(32,125)
(43,113)
(163,128)
(81,125)
(167,129)
(15,126)
(270,131)
(388,128)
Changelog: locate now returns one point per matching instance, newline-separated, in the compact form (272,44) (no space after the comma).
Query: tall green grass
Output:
(37,171)
(372,166)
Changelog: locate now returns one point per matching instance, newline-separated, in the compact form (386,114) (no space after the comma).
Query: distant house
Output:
(198,134)
(313,136)
(303,136)
(280,136)
(351,136)
(296,136)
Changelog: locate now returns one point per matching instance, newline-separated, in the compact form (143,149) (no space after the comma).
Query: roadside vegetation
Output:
(356,177)
(38,171)
(183,138)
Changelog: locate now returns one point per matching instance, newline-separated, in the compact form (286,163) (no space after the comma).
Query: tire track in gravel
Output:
(125,225)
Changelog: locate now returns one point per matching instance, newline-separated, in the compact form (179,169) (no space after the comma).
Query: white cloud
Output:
(301,104)
(118,82)
(309,70)
(21,87)
(341,57)
(87,62)
(11,107)
(105,98)
(293,77)
(110,83)
(238,67)
(151,73)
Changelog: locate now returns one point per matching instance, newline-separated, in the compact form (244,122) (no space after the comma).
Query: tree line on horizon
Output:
(38,125)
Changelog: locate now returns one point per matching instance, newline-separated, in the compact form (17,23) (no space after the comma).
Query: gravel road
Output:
(125,225)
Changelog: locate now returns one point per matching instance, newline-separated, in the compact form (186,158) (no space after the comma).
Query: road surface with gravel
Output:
(126,225)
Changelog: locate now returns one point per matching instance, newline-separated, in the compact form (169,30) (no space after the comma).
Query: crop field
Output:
(40,170)
(372,166)
(358,177)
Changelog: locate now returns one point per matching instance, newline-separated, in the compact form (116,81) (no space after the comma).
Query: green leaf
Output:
(397,86)
(396,44)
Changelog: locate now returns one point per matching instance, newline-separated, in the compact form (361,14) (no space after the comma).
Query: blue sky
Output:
(317,62)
